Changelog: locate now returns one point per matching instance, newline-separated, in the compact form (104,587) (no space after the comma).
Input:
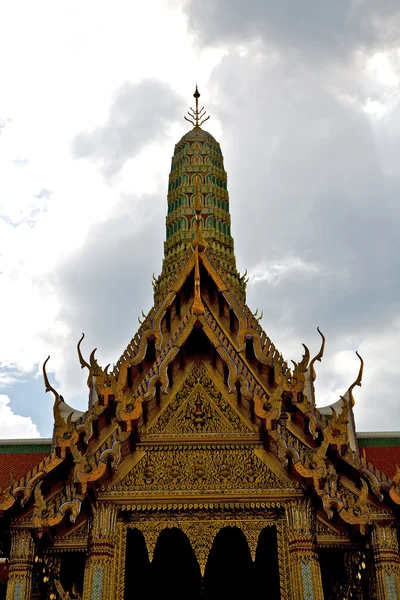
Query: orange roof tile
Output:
(20,463)
(385,458)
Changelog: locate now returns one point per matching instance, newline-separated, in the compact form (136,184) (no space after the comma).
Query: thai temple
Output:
(202,468)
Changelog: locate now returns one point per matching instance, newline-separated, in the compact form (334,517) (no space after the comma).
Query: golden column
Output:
(387,564)
(305,572)
(100,564)
(21,564)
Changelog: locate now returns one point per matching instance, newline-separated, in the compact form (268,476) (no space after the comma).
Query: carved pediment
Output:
(200,468)
(199,408)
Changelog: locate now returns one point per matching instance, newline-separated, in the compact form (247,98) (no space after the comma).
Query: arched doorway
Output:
(137,565)
(174,571)
(229,573)
(229,568)
(266,565)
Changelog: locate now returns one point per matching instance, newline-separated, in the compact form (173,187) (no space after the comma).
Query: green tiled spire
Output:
(198,163)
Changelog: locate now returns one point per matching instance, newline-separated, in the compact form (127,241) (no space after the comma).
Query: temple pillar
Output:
(21,564)
(304,567)
(387,563)
(99,577)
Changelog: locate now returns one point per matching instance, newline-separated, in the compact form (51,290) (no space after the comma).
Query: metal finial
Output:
(197,116)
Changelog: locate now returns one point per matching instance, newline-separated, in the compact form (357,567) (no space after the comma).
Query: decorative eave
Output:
(314,455)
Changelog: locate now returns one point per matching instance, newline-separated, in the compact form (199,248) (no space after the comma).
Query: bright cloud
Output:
(274,272)
(14,426)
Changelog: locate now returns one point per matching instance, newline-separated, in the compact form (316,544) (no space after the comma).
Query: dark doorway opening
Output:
(137,565)
(266,565)
(72,568)
(344,573)
(229,567)
(173,573)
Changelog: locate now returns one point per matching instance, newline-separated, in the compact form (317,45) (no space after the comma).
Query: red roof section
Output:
(19,463)
(385,458)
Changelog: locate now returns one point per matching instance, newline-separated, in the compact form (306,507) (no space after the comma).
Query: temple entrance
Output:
(229,569)
(231,573)
(174,572)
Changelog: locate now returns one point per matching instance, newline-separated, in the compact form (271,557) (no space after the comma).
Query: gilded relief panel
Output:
(199,467)
(198,408)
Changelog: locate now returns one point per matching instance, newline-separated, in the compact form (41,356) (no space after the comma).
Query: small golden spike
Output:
(48,386)
(94,366)
(301,367)
(81,359)
(357,381)
(197,116)
(318,356)
(58,420)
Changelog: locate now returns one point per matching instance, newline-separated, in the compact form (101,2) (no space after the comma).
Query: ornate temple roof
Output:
(201,334)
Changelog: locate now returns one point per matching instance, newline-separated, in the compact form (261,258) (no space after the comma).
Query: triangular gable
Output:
(198,408)
(192,469)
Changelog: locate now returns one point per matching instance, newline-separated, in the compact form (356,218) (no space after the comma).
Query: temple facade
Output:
(202,467)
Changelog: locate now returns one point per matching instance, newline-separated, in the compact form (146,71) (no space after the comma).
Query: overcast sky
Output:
(304,99)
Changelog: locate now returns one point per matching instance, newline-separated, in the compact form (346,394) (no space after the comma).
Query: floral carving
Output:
(210,467)
(199,407)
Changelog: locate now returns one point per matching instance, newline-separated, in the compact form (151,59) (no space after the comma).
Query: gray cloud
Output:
(314,193)
(104,286)
(140,114)
(321,30)
(314,186)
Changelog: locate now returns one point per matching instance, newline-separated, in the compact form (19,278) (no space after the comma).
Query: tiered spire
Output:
(198,201)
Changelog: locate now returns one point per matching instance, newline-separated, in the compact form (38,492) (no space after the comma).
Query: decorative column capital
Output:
(22,545)
(21,563)
(103,526)
(386,558)
(300,516)
(384,537)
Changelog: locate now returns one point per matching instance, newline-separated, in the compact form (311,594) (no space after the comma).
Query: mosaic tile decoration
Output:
(307,580)
(391,586)
(19,590)
(97,583)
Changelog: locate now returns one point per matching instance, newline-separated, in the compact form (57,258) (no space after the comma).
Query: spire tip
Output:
(197,117)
